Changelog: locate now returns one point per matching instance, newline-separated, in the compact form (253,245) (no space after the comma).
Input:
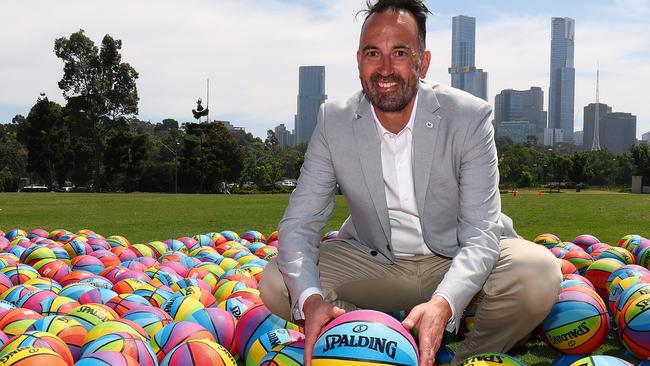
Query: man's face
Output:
(390,61)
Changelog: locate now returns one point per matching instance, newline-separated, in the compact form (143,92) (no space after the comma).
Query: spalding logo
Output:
(488,358)
(382,345)
(360,328)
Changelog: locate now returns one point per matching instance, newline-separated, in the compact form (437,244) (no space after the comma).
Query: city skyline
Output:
(251,51)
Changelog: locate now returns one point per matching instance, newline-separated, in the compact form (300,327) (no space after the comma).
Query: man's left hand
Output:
(431,320)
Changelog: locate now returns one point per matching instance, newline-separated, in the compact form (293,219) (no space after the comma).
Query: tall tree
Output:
(98,84)
(271,139)
(46,137)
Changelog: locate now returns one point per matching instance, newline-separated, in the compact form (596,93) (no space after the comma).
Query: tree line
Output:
(96,143)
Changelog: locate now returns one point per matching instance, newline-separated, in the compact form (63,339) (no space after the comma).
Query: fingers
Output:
(336,312)
(413,318)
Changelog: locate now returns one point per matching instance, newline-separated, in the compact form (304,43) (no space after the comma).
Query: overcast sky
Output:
(251,50)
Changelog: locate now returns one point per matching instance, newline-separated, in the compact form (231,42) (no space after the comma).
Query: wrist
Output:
(311,301)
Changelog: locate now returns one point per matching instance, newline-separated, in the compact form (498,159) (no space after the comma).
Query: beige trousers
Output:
(516,297)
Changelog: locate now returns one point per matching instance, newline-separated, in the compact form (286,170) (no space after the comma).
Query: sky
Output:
(250,50)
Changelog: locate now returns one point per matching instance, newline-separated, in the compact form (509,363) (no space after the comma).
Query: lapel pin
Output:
(429,125)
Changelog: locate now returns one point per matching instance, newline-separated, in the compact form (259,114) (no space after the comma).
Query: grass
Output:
(146,217)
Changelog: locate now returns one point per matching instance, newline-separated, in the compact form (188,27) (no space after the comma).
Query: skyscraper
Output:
(520,113)
(561,92)
(284,136)
(617,129)
(311,94)
(464,74)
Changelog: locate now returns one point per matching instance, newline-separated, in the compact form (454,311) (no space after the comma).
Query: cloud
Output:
(251,50)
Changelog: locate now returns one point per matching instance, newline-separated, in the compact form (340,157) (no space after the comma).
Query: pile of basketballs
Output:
(84,299)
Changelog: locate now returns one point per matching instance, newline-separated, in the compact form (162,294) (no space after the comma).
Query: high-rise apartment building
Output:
(311,94)
(464,74)
(561,92)
(284,136)
(520,113)
(617,129)
(646,137)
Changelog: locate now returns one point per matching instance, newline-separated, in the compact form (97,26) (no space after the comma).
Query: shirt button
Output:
(373,253)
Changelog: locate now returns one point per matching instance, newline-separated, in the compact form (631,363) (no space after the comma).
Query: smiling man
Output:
(417,164)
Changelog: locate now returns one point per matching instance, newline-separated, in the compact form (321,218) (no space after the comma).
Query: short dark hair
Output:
(416,7)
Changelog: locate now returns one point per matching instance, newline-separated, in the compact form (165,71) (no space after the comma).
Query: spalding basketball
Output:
(365,337)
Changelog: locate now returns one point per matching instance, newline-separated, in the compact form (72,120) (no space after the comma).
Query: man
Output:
(417,164)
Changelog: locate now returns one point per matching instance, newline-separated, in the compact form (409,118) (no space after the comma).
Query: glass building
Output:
(311,94)
(561,92)
(522,106)
(464,74)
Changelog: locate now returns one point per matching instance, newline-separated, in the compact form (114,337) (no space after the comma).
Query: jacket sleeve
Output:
(309,208)
(479,226)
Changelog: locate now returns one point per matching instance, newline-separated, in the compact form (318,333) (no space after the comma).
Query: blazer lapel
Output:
(369,149)
(425,131)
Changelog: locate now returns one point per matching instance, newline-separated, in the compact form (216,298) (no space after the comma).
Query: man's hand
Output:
(317,312)
(431,320)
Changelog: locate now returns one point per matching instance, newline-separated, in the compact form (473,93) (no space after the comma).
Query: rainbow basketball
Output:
(365,337)
(199,352)
(598,273)
(181,307)
(220,323)
(125,343)
(90,315)
(255,322)
(289,354)
(38,339)
(33,356)
(491,359)
(16,321)
(268,341)
(601,360)
(577,323)
(634,326)
(64,327)
(149,318)
(173,334)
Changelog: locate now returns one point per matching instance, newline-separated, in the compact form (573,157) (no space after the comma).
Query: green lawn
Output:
(147,217)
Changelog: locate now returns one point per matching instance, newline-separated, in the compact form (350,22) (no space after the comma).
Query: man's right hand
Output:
(317,312)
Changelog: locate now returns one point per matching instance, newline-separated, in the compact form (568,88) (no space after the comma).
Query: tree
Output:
(13,154)
(560,166)
(641,157)
(98,84)
(271,139)
(46,137)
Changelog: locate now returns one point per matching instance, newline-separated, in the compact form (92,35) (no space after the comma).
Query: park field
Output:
(147,217)
(144,217)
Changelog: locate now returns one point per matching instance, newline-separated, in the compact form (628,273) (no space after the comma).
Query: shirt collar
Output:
(409,126)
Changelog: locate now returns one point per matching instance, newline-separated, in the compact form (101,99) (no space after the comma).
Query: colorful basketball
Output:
(255,322)
(365,337)
(584,241)
(628,295)
(566,267)
(491,359)
(577,323)
(107,358)
(173,334)
(236,306)
(55,269)
(598,273)
(64,327)
(115,326)
(547,240)
(634,326)
(580,259)
(199,352)
(266,342)
(87,263)
(220,323)
(149,318)
(630,242)
(97,295)
(90,315)
(16,321)
(19,273)
(75,290)
(621,254)
(37,339)
(125,302)
(181,307)
(289,354)
(59,305)
(601,360)
(33,356)
(204,297)
(125,343)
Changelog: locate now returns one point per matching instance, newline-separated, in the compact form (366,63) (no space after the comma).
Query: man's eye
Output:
(400,53)
(372,54)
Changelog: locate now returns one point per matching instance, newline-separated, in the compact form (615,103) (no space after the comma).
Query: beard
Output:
(389,102)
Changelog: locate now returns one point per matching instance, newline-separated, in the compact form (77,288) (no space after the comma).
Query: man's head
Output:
(391,55)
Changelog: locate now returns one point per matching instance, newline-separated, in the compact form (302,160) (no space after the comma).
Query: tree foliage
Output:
(98,84)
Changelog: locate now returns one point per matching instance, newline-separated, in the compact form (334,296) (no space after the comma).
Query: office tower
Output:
(588,122)
(519,114)
(284,136)
(311,94)
(617,129)
(578,136)
(562,79)
(464,74)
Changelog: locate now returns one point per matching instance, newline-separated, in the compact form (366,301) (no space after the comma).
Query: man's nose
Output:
(386,66)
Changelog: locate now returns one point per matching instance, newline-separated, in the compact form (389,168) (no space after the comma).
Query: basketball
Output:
(491,359)
(634,326)
(268,341)
(365,337)
(199,352)
(601,360)
(254,323)
(288,354)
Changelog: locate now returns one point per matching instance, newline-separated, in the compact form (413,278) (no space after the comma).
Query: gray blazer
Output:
(456,189)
